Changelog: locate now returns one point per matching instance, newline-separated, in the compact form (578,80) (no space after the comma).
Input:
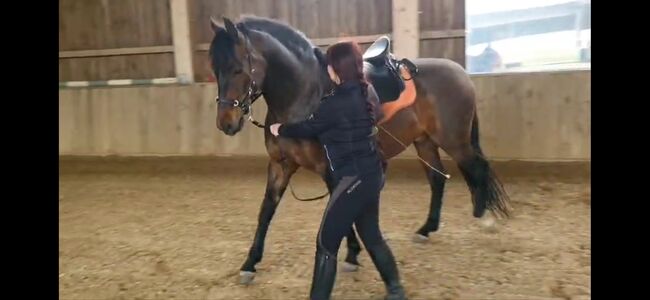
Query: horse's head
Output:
(239,70)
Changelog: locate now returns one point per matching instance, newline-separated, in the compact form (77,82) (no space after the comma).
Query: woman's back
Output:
(350,144)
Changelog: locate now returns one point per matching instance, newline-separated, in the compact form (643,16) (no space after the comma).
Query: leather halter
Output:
(252,94)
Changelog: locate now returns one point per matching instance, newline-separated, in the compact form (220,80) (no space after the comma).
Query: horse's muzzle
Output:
(230,128)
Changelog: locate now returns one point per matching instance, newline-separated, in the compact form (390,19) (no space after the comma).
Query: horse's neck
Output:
(291,90)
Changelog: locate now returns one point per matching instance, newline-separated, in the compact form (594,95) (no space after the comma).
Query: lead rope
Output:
(306,199)
(420,158)
(252,120)
(260,125)
(283,159)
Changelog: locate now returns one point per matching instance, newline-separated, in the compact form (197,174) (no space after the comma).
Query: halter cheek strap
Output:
(252,94)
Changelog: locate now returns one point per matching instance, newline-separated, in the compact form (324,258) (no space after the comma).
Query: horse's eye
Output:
(237,72)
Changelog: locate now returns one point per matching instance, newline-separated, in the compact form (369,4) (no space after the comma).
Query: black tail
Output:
(474,136)
(488,192)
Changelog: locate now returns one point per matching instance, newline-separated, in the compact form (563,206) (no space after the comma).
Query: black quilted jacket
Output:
(345,124)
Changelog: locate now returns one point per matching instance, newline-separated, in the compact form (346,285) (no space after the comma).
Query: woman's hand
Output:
(274,129)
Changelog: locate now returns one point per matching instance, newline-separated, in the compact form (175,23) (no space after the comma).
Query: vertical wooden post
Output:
(406,28)
(181,36)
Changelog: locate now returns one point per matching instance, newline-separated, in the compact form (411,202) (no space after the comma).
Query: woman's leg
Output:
(367,225)
(338,218)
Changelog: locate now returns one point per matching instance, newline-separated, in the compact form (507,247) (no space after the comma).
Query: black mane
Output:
(294,40)
(222,51)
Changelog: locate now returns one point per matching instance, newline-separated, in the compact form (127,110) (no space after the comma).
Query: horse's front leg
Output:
(277,179)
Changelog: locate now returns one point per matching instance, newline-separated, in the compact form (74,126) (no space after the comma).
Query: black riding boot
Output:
(383,259)
(324,275)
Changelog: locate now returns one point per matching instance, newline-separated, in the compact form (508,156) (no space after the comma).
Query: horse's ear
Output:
(231,29)
(215,25)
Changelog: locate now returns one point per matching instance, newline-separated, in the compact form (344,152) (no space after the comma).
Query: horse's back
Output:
(445,100)
(443,80)
(444,70)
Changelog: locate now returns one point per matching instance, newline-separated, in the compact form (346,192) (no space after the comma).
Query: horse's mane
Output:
(294,40)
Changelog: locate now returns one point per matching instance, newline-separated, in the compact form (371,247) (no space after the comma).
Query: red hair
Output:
(347,62)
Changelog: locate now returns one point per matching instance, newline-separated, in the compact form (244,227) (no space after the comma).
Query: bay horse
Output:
(260,56)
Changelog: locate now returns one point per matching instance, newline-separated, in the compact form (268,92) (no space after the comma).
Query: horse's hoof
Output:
(418,238)
(348,267)
(246,277)
(488,223)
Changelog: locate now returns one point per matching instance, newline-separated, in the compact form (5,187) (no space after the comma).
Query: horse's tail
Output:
(485,185)
(474,137)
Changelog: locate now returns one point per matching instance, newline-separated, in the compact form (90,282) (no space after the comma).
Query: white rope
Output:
(420,158)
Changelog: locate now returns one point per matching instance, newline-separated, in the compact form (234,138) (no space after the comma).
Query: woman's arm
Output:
(375,104)
(317,123)
(406,98)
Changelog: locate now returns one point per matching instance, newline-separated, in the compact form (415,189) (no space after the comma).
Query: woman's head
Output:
(345,62)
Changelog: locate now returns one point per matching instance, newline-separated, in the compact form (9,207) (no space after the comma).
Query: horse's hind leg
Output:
(487,191)
(351,262)
(428,151)
(277,180)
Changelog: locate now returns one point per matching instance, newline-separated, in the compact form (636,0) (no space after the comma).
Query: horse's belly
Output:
(307,154)
(403,129)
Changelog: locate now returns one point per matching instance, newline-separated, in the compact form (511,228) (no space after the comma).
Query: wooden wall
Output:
(138,34)
(535,116)
(114,24)
(442,29)
(317,19)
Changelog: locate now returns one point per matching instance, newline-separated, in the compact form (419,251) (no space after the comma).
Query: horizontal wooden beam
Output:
(366,39)
(116,51)
(442,34)
(362,39)
(202,47)
(118,82)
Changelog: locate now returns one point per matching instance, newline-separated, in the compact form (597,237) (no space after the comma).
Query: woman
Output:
(344,124)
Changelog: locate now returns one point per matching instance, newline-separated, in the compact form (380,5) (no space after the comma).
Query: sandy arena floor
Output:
(180,228)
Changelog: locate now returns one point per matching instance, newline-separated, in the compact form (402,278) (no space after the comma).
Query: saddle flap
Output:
(381,70)
(378,50)
(387,83)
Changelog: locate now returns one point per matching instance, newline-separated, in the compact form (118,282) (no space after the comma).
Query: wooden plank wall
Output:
(537,116)
(119,24)
(315,18)
(443,15)
(111,24)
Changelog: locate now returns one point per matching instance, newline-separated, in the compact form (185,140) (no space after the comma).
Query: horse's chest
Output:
(307,154)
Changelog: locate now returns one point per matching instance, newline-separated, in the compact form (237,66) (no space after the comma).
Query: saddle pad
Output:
(406,97)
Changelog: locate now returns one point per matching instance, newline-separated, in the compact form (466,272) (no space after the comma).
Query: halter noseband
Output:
(252,94)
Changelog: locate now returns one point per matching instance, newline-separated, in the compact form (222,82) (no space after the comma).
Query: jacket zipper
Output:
(328,158)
